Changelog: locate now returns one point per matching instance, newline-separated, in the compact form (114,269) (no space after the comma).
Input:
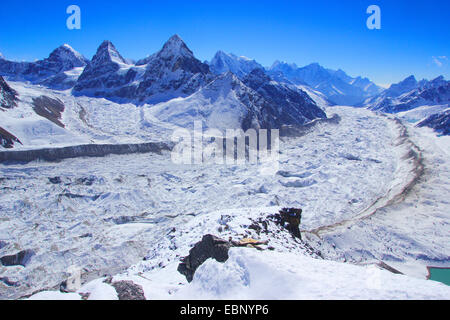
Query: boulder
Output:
(289,218)
(128,290)
(19,259)
(209,247)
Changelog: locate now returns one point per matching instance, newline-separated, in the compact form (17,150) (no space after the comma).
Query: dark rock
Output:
(209,247)
(9,283)
(387,267)
(7,139)
(49,108)
(289,218)
(8,96)
(128,290)
(79,196)
(86,235)
(55,180)
(87,181)
(19,259)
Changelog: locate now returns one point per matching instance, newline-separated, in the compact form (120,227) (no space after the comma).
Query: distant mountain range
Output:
(410,93)
(283,94)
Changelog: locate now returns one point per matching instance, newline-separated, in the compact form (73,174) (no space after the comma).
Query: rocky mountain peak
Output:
(67,57)
(107,53)
(239,65)
(175,47)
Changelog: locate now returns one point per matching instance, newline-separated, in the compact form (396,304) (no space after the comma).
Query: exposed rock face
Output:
(290,218)
(7,139)
(228,103)
(288,106)
(172,72)
(8,96)
(101,76)
(209,247)
(51,70)
(50,109)
(19,259)
(440,122)
(129,291)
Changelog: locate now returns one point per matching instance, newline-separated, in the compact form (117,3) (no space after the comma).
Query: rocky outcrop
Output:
(209,247)
(50,109)
(7,139)
(92,150)
(19,259)
(8,96)
(129,291)
(289,218)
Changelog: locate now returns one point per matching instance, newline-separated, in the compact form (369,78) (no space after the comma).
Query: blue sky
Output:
(414,38)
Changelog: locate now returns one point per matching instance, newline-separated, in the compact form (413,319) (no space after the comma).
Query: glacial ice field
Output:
(105,215)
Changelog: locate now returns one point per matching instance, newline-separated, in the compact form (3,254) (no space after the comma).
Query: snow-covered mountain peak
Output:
(239,65)
(437,82)
(282,64)
(174,48)
(397,89)
(107,53)
(67,56)
(409,81)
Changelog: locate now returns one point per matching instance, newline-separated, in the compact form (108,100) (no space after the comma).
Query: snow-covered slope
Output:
(228,103)
(240,66)
(289,106)
(124,208)
(225,103)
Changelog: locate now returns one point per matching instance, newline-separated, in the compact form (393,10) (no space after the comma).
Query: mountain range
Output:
(410,93)
(229,88)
